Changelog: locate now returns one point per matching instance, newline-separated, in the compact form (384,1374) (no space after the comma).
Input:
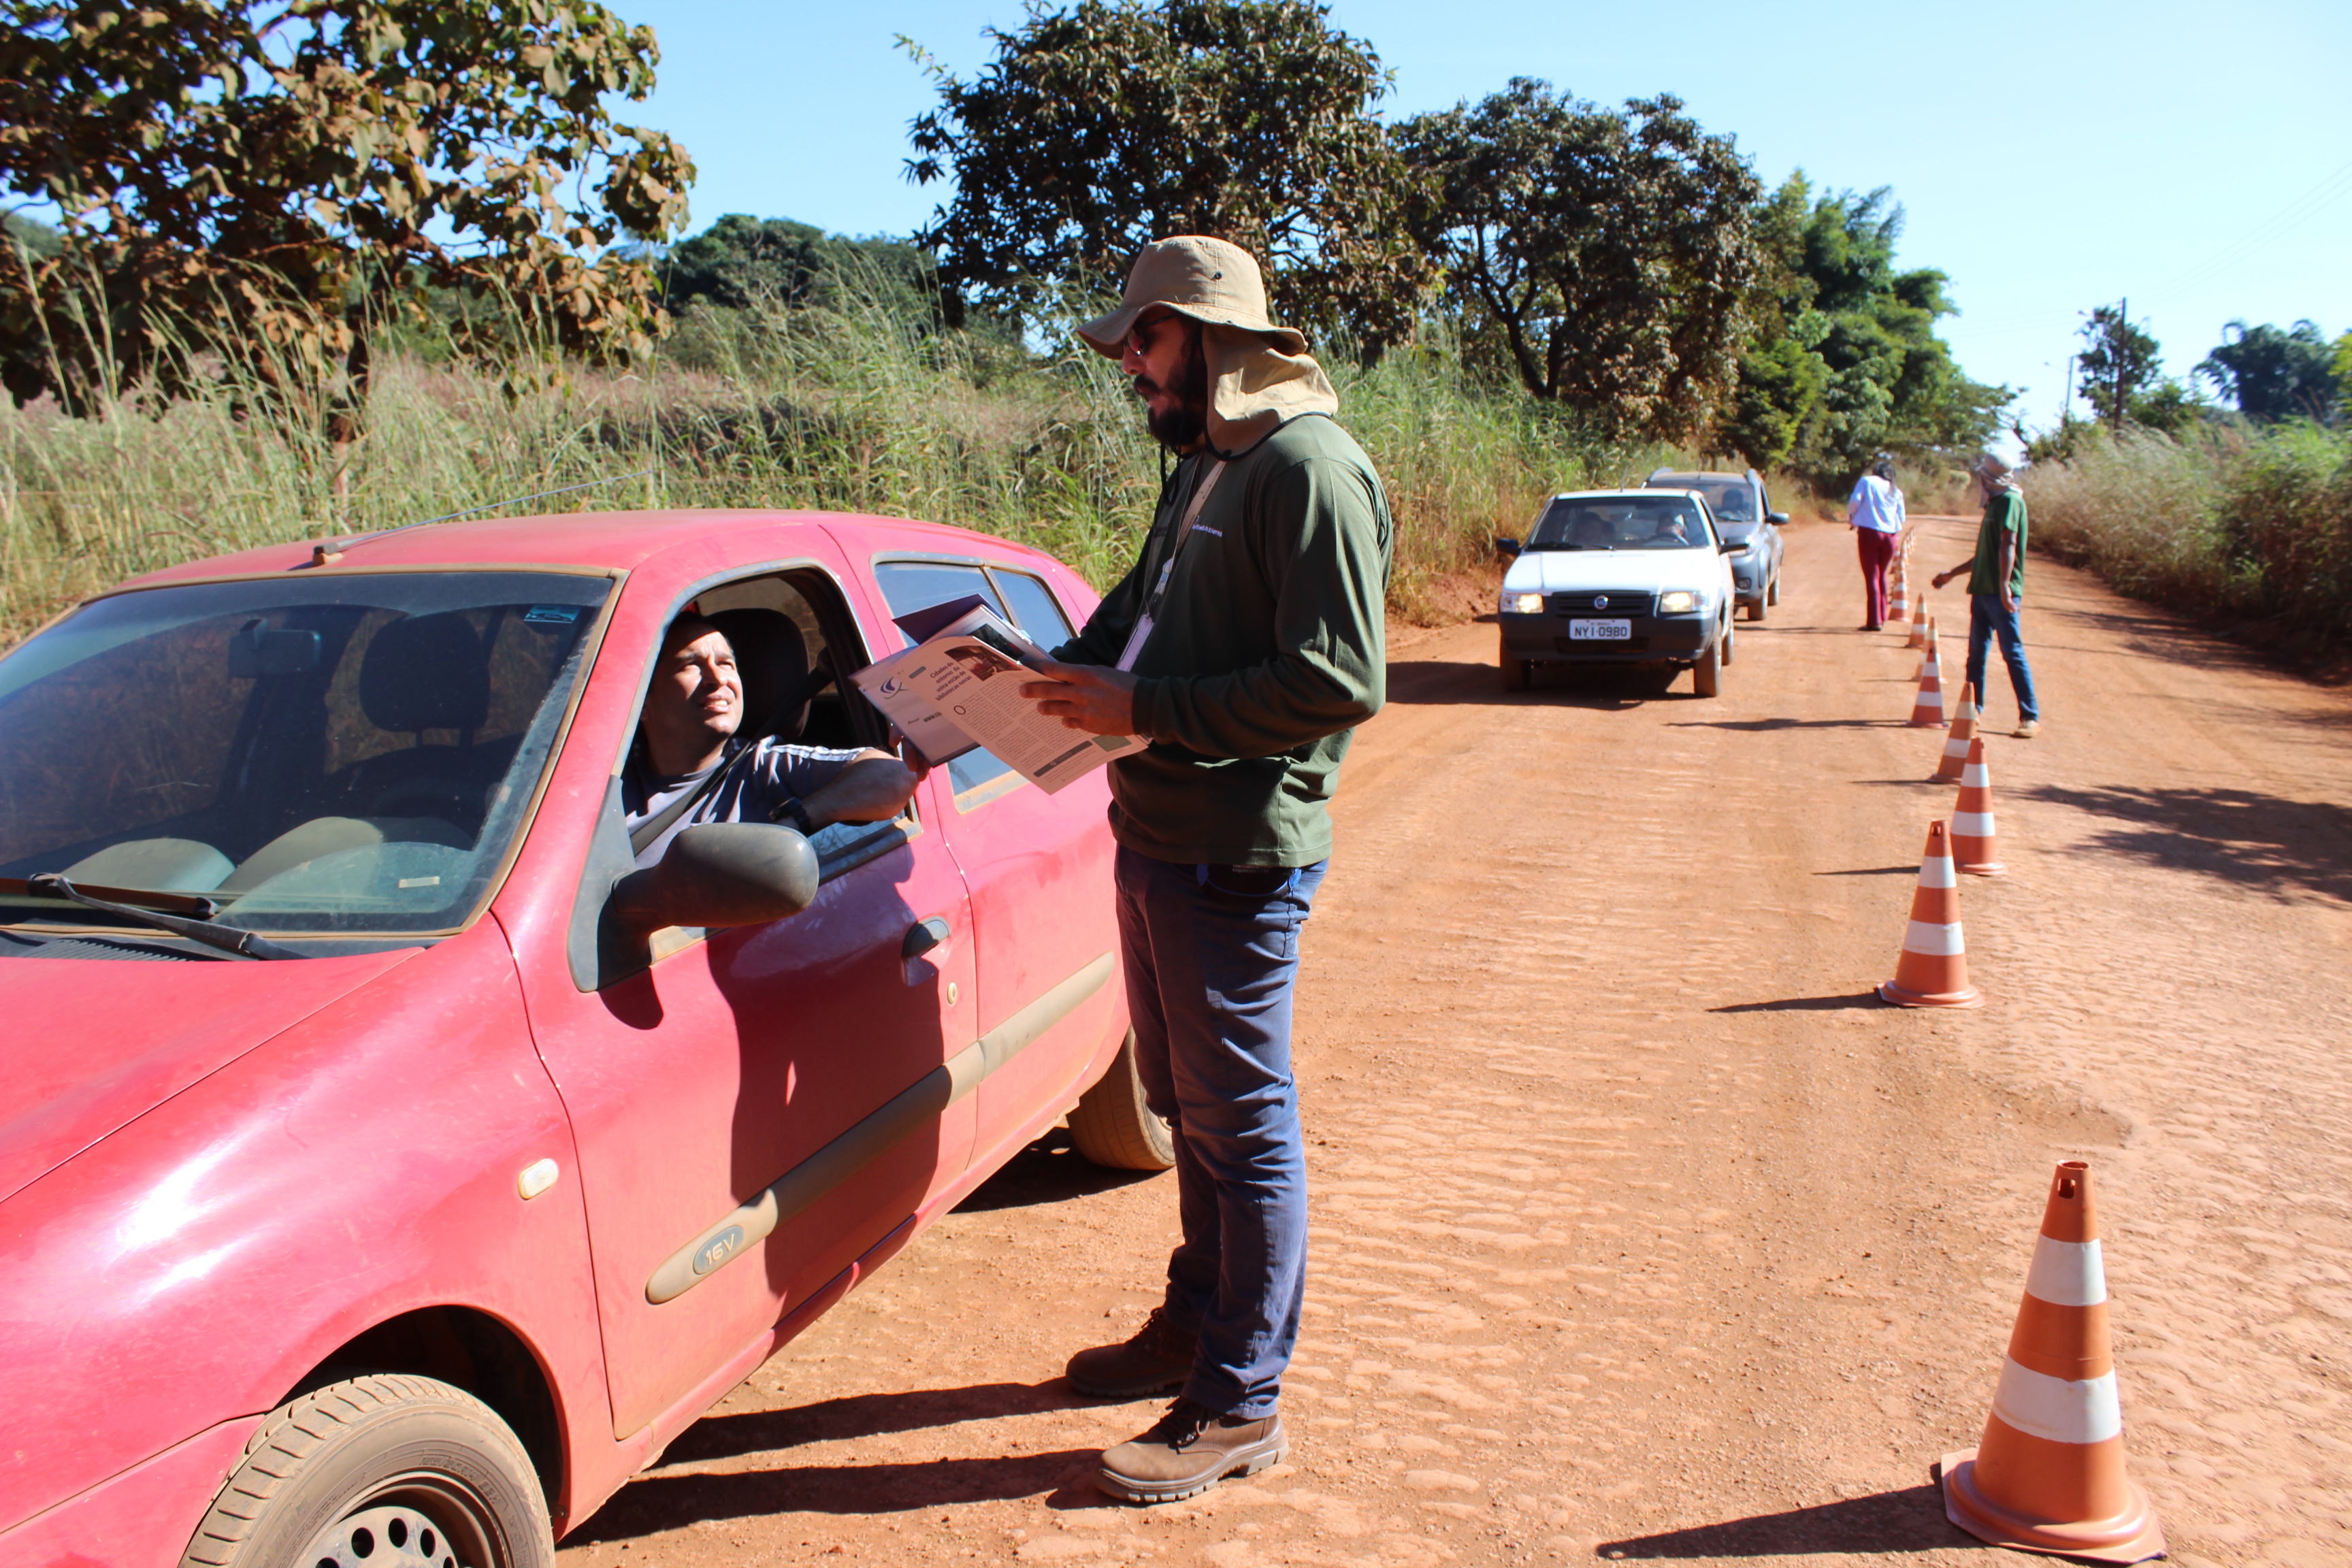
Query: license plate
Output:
(1600,631)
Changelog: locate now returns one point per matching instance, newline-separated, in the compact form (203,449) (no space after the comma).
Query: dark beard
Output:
(1180,429)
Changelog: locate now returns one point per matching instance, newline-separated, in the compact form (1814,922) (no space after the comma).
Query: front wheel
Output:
(1772,590)
(1707,675)
(1112,1125)
(387,1470)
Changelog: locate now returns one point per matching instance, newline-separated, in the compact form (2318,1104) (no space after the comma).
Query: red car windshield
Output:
(340,754)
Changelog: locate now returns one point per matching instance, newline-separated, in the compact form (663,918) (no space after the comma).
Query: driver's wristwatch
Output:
(793,814)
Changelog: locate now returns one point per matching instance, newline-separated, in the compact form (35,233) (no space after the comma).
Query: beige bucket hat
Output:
(1261,377)
(1211,280)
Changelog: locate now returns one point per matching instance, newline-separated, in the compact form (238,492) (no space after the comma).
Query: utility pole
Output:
(2066,408)
(2123,324)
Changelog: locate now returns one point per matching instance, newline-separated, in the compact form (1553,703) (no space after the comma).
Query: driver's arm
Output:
(872,787)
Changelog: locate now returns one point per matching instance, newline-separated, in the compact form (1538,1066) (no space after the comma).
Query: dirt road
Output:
(1644,1230)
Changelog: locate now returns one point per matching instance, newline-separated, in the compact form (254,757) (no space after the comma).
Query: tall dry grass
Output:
(2247,525)
(848,408)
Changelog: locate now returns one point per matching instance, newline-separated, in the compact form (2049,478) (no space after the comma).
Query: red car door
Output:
(758,1107)
(1039,869)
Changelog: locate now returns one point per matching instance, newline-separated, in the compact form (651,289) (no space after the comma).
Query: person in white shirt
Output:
(1875,512)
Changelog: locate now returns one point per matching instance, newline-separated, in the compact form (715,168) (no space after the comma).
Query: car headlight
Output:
(1522,604)
(1681,602)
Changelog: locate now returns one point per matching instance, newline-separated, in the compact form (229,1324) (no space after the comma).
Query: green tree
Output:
(740,261)
(278,179)
(1098,129)
(2274,375)
(2170,406)
(1610,252)
(2118,361)
(1846,360)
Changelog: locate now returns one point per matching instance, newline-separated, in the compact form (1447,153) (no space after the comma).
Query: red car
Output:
(389,1170)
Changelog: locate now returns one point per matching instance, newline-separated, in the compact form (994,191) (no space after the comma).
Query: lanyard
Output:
(1143,623)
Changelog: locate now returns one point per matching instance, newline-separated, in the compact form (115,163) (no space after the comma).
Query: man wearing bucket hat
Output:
(1246,644)
(1997,587)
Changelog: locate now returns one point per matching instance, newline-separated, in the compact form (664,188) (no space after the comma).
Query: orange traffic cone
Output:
(1919,628)
(1927,708)
(1933,971)
(1956,742)
(1973,849)
(1898,591)
(2048,1475)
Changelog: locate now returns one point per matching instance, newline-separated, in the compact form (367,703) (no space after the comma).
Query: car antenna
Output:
(327,551)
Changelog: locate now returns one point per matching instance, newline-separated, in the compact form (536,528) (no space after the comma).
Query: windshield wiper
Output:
(235,940)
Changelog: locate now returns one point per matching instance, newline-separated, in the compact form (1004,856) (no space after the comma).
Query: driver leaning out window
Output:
(690,733)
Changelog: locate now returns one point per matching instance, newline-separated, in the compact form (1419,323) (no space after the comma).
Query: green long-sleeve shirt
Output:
(1267,651)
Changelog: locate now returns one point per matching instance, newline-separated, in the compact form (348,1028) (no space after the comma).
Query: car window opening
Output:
(978,776)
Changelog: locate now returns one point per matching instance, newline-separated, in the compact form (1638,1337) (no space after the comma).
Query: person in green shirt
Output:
(1996,589)
(1246,644)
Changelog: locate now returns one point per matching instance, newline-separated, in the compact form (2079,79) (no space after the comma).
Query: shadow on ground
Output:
(657,1502)
(1809,1004)
(1911,1519)
(2255,840)
(1426,683)
(1758,726)
(1050,1170)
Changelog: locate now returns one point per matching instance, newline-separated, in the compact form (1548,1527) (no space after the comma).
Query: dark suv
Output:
(1749,526)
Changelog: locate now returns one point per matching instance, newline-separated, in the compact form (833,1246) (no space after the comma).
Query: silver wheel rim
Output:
(416,1522)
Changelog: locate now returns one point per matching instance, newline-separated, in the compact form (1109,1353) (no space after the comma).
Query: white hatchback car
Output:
(1619,577)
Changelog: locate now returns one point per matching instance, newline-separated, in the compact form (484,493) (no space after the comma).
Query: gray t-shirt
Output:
(753,782)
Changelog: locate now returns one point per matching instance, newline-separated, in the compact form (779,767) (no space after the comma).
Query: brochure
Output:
(959,688)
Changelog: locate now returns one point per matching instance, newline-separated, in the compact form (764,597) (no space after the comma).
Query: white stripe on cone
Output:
(1976,775)
(2067,1274)
(1972,824)
(1933,941)
(1937,873)
(1956,748)
(2056,1408)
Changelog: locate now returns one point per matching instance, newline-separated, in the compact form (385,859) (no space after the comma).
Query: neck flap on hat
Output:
(1255,388)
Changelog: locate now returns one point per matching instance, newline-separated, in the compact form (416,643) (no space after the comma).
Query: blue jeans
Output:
(1987,619)
(1211,953)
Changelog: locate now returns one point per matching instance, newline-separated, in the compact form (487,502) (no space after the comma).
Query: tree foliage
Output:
(740,261)
(1607,253)
(1845,360)
(281,177)
(1098,129)
(2274,375)
(2119,362)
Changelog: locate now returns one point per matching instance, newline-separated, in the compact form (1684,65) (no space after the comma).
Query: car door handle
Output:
(923,936)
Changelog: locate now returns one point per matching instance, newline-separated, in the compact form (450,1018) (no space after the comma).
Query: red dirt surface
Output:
(1643,1229)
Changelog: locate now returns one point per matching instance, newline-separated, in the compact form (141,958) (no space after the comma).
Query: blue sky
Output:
(2049,156)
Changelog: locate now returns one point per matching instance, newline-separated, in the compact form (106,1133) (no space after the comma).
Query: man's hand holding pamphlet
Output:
(959,688)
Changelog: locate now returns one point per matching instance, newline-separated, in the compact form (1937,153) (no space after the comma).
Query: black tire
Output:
(1707,675)
(1112,1126)
(1729,644)
(1756,610)
(1515,670)
(426,1473)
(1773,589)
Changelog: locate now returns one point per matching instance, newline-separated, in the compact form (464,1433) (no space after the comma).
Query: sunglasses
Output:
(1140,335)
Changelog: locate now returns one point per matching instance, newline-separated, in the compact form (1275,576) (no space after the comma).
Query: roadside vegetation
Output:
(847,405)
(2246,524)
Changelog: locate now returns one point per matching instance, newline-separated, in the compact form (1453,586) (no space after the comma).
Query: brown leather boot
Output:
(1158,1359)
(1189,1451)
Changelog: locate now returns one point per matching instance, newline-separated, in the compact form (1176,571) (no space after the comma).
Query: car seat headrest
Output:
(771,660)
(426,672)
